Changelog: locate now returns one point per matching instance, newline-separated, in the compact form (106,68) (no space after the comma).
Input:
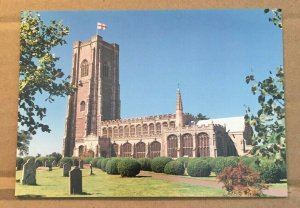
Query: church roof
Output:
(232,124)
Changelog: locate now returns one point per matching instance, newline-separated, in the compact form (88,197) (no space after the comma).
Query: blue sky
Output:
(208,52)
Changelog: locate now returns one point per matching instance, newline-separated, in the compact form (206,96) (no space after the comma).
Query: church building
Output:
(93,126)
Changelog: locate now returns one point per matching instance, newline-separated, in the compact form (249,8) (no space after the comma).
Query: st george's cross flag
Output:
(101,26)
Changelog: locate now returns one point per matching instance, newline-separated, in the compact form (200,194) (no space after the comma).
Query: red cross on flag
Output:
(101,26)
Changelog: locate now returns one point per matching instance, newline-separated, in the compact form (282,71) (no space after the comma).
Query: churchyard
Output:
(83,181)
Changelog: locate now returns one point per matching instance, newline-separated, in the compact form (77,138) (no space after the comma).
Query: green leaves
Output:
(38,71)
(268,123)
(276,19)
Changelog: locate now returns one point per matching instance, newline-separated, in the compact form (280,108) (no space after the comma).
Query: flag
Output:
(101,26)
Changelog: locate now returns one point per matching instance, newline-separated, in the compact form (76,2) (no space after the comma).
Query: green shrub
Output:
(87,160)
(145,163)
(225,162)
(199,167)
(103,163)
(212,163)
(158,164)
(250,162)
(270,172)
(40,161)
(283,170)
(94,162)
(174,168)
(112,166)
(99,161)
(65,160)
(183,160)
(19,163)
(129,167)
(242,181)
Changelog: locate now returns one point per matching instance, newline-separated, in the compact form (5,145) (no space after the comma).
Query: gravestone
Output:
(48,164)
(66,169)
(75,181)
(54,163)
(81,164)
(29,173)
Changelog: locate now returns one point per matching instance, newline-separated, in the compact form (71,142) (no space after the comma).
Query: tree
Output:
(268,123)
(39,75)
(23,142)
(55,155)
(189,118)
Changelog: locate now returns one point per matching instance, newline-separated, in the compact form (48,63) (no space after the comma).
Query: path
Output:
(214,184)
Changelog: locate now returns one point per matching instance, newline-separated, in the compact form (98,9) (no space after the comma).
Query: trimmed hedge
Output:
(225,162)
(250,162)
(269,171)
(87,160)
(174,168)
(99,161)
(94,161)
(103,163)
(145,163)
(40,161)
(129,167)
(199,167)
(158,164)
(183,160)
(112,166)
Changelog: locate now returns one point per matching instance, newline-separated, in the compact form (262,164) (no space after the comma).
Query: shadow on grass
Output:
(29,196)
(142,176)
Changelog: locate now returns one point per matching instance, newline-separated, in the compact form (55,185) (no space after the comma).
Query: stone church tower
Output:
(95,73)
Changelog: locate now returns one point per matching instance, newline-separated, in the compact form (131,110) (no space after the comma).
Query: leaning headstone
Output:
(81,164)
(66,169)
(29,173)
(54,163)
(75,181)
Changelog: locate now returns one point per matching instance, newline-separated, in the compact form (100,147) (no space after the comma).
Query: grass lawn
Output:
(212,177)
(52,184)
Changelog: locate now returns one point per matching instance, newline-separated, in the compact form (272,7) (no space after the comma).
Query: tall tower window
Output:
(105,70)
(82,106)
(84,68)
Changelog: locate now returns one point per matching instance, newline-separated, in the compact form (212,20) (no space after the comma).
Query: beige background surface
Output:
(9,54)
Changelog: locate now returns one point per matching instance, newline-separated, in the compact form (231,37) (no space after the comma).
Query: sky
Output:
(207,53)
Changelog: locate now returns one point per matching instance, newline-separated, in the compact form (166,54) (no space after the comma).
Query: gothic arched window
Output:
(84,68)
(82,106)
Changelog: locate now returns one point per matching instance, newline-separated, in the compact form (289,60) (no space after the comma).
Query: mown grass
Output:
(52,184)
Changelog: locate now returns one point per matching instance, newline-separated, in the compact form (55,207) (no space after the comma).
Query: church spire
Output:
(179,110)
(179,101)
